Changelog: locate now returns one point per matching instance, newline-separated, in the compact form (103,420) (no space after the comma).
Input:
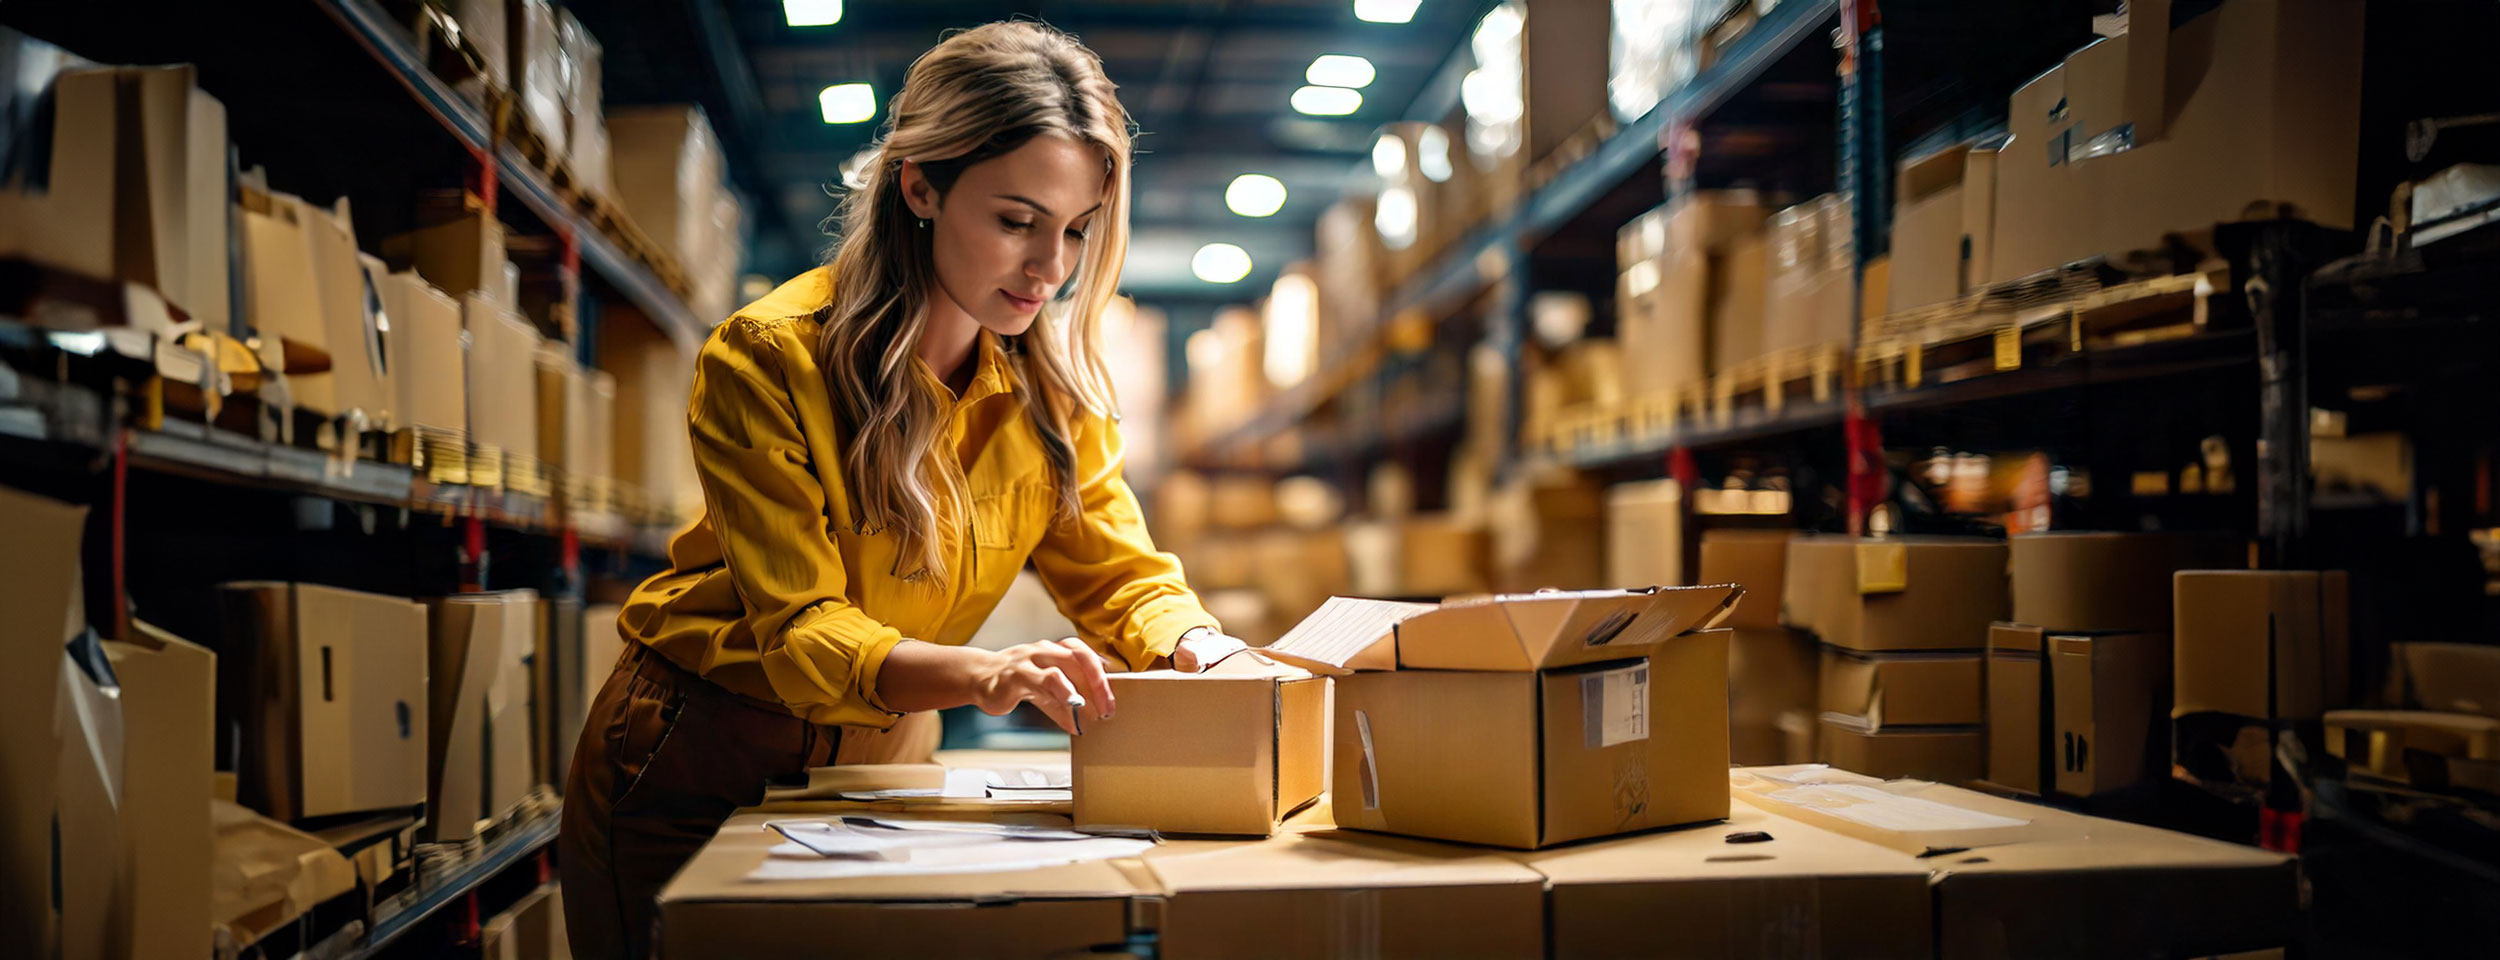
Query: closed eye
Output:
(1014,225)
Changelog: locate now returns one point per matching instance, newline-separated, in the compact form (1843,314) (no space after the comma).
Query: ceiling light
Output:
(1255,195)
(1394,217)
(1385,11)
(812,13)
(1389,156)
(1327,101)
(1433,159)
(1340,70)
(848,103)
(1220,263)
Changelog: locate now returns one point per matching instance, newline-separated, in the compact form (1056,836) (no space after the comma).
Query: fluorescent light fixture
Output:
(1389,156)
(1385,11)
(812,13)
(1292,324)
(1220,263)
(1340,70)
(848,103)
(1433,147)
(1394,217)
(1255,195)
(1327,101)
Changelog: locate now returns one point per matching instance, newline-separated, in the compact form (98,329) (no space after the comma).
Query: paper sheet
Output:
(821,848)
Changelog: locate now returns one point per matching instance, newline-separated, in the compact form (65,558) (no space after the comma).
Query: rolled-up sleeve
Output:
(820,652)
(1102,567)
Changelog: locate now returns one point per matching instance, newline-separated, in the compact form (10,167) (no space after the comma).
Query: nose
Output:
(1051,263)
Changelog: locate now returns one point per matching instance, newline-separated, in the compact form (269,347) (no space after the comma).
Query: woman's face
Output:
(1009,232)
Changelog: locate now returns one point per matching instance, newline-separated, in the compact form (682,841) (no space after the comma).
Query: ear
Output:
(918,193)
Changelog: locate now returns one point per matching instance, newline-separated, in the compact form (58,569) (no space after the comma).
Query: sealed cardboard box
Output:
(39,579)
(478,746)
(1645,535)
(2235,629)
(1739,279)
(667,167)
(1771,690)
(1928,263)
(329,686)
(2389,744)
(2107,692)
(1548,534)
(1812,597)
(1812,289)
(1229,751)
(1440,556)
(2151,892)
(1927,753)
(168,697)
(711,909)
(1898,593)
(2452,677)
(1525,721)
(2089,581)
(460,256)
(1756,560)
(538,70)
(424,344)
(1882,691)
(2018,697)
(1798,891)
(66,220)
(1313,893)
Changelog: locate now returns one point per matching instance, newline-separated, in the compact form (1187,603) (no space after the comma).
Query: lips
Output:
(1025,304)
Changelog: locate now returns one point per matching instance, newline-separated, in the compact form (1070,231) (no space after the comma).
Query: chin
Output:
(1008,323)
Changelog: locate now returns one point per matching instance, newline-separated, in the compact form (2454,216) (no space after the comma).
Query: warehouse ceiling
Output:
(1208,82)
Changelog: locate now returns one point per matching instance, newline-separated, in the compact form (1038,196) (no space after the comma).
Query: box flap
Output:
(2016,639)
(1344,635)
(1539,631)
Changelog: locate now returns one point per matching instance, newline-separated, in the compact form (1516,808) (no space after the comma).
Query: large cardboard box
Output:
(1812,287)
(2018,699)
(169,726)
(2390,744)
(1549,534)
(538,70)
(2236,630)
(2451,677)
(1739,280)
(1771,690)
(1928,753)
(65,219)
(668,169)
(654,382)
(1756,560)
(1440,556)
(460,256)
(1716,891)
(478,746)
(2017,879)
(2107,693)
(1883,691)
(1645,535)
(2105,581)
(39,579)
(1525,721)
(1811,596)
(1230,751)
(329,686)
(1929,259)
(1315,893)
(502,380)
(427,354)
(1899,593)
(2248,107)
(710,909)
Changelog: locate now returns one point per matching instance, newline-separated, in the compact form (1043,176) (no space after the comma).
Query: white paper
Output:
(1872,806)
(894,846)
(1615,706)
(966,783)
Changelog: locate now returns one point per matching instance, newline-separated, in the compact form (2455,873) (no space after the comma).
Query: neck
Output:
(946,344)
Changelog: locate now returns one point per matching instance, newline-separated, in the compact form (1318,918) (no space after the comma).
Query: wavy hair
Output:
(977,95)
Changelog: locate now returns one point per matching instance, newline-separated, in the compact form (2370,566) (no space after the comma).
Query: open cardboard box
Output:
(330,686)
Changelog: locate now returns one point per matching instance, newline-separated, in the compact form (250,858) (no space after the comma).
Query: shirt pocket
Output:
(1010,519)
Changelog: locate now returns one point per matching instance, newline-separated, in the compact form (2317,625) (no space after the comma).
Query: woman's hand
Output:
(1052,675)
(1201,647)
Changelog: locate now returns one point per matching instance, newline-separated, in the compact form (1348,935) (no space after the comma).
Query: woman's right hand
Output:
(1048,674)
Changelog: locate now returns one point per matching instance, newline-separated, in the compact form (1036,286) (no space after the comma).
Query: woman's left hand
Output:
(1200,648)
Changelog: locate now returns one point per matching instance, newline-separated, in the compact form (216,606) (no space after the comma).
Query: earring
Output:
(924,223)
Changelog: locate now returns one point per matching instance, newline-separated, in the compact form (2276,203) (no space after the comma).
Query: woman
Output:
(884,443)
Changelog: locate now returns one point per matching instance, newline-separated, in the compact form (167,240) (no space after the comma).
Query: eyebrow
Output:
(1045,211)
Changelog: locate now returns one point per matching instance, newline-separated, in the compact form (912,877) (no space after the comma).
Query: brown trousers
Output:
(664,757)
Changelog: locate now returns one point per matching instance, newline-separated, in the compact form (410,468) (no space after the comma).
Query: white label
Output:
(1371,770)
(1882,810)
(1615,706)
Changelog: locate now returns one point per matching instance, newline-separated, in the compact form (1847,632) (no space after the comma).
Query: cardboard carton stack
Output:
(2077,680)
(1690,294)
(1543,91)
(1908,618)
(1548,532)
(1811,266)
(1943,223)
(2256,653)
(669,175)
(478,748)
(1336,894)
(653,474)
(1772,669)
(1645,535)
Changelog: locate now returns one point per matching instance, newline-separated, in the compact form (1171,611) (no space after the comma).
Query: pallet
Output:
(2033,320)
(1773,381)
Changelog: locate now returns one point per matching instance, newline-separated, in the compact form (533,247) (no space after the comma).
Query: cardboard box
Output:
(2389,744)
(1771,689)
(66,221)
(2451,677)
(2106,581)
(427,353)
(90,893)
(460,256)
(2256,109)
(1801,892)
(1342,894)
(1671,340)
(538,74)
(1928,264)
(1548,534)
(1739,280)
(1994,863)
(1299,570)
(1899,593)
(2018,699)
(336,316)
(710,909)
(1882,691)
(1754,559)
(1926,753)
(478,746)
(329,686)
(556,681)
(654,382)
(1440,556)
(39,579)
(1230,751)
(586,139)
(1810,294)
(502,379)
(532,929)
(282,299)
(667,168)
(1645,535)
(2107,696)
(2236,629)
(169,714)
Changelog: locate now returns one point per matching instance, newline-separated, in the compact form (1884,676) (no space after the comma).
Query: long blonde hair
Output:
(976,95)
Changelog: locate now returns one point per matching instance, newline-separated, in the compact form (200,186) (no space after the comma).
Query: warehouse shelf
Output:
(1744,425)
(1494,250)
(396,50)
(432,891)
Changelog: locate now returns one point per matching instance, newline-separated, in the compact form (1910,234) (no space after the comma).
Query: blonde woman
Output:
(884,442)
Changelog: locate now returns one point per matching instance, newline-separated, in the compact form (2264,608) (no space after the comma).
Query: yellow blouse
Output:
(777,595)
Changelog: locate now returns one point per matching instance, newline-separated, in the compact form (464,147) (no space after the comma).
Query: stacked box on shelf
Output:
(1351,274)
(586,136)
(1650,53)
(478,751)
(1772,669)
(304,291)
(2254,653)
(484,25)
(327,690)
(668,173)
(1943,222)
(538,77)
(1645,534)
(503,397)
(430,400)
(1535,93)
(654,474)
(1548,532)
(1812,269)
(1894,607)
(2162,132)
(1582,383)
(1698,302)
